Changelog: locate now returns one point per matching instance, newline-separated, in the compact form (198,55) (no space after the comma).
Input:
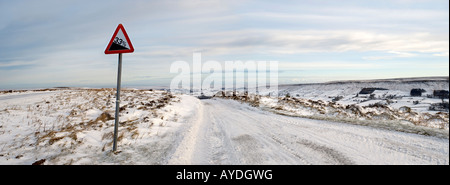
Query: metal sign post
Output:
(119,43)
(116,122)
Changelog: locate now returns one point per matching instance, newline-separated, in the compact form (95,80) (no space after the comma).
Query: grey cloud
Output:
(45,37)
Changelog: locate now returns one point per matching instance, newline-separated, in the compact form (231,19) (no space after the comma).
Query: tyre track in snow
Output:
(298,146)
(229,132)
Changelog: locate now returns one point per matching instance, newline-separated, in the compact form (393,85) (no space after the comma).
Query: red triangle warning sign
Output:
(120,43)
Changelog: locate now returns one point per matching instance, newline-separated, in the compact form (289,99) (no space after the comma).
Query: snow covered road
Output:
(228,132)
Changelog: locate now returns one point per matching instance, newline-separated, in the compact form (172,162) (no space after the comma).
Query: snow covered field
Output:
(75,126)
(396,93)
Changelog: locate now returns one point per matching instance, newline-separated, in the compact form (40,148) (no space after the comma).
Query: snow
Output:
(75,126)
(229,132)
(341,101)
(399,89)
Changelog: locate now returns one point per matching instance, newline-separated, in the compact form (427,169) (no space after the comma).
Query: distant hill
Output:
(352,87)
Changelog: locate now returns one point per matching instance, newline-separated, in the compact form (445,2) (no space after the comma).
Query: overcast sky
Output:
(61,43)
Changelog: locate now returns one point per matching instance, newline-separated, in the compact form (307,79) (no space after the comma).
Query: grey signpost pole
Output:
(116,122)
(119,43)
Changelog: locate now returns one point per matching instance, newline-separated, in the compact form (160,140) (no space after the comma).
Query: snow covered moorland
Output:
(76,126)
(329,123)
